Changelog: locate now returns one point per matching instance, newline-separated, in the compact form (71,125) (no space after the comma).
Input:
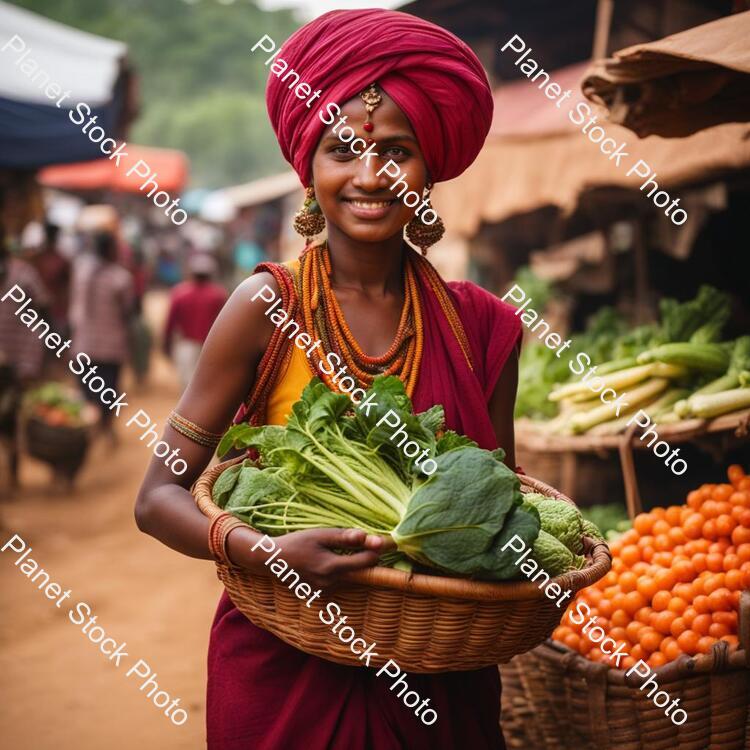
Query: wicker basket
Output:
(63,447)
(582,705)
(425,623)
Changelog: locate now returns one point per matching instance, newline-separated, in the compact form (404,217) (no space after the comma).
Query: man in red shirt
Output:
(193,308)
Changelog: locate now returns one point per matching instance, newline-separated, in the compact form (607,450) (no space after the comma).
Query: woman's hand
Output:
(310,553)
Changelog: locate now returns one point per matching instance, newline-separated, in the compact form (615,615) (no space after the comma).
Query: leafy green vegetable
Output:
(560,519)
(333,465)
(553,555)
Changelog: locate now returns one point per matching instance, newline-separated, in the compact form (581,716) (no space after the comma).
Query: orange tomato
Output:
(715,561)
(741,535)
(627,663)
(731,562)
(656,660)
(677,605)
(743,552)
(726,618)
(618,634)
(678,627)
(735,473)
(670,648)
(709,529)
(683,571)
(647,587)
(663,543)
(661,527)
(630,554)
(689,615)
(720,600)
(661,600)
(701,624)
(709,510)
(699,562)
(647,553)
(631,536)
(662,559)
(650,640)
(632,602)
(662,621)
(572,641)
(744,484)
(683,591)
(665,580)
(718,630)
(628,581)
(701,604)
(725,525)
(620,618)
(643,615)
(693,526)
(695,499)
(713,582)
(638,652)
(688,642)
(673,514)
(645,541)
(723,492)
(733,580)
(633,630)
(705,644)
(643,523)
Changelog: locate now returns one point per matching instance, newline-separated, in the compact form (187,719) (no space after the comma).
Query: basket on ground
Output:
(426,623)
(62,446)
(611,712)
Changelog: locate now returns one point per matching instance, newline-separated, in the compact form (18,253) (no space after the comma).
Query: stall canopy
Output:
(40,59)
(535,157)
(168,167)
(681,84)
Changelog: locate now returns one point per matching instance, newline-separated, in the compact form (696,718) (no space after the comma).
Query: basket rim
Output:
(597,553)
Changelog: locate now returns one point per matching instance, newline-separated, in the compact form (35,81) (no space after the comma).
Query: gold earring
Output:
(309,220)
(424,235)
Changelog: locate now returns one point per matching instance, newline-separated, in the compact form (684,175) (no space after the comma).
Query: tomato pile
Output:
(676,579)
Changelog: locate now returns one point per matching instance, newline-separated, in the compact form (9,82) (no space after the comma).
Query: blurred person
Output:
(54,270)
(193,307)
(102,303)
(21,350)
(423,98)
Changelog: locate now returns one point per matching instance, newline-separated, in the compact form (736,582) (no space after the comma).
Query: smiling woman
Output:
(418,99)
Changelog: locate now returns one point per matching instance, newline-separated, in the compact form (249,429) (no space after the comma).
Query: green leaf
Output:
(451,441)
(224,485)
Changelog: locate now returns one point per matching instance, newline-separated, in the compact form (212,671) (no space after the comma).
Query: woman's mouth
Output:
(369,209)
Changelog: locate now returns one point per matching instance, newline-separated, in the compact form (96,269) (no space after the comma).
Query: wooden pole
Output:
(604,11)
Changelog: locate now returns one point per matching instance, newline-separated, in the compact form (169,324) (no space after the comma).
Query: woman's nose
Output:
(366,175)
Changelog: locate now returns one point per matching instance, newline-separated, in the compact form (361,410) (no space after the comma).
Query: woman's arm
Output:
(166,510)
(501,406)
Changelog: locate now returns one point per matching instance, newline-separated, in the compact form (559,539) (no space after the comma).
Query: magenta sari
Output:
(266,695)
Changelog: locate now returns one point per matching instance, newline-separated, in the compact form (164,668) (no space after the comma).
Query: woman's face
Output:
(353,197)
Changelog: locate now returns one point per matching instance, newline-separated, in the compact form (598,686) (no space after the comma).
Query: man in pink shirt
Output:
(193,308)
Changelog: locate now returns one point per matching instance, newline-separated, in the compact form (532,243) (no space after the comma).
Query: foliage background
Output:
(201,89)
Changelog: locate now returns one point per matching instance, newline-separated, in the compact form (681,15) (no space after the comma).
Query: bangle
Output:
(218,531)
(192,431)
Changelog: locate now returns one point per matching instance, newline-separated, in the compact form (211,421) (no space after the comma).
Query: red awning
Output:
(167,167)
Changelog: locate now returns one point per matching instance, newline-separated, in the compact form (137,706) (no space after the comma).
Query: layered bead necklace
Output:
(324,320)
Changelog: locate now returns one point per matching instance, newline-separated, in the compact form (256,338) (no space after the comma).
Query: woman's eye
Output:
(342,151)
(396,151)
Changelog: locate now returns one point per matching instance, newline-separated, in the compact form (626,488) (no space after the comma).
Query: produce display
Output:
(675,582)
(57,406)
(674,370)
(334,465)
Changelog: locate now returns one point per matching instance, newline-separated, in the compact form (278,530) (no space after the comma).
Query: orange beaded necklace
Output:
(324,320)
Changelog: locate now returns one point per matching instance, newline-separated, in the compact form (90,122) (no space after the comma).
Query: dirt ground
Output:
(58,691)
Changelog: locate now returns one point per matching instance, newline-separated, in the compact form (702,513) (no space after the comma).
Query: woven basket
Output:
(582,705)
(61,446)
(425,623)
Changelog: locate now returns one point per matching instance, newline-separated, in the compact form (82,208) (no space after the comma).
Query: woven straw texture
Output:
(425,623)
(580,705)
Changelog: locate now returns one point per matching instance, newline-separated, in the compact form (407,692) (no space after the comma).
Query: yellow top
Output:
(289,387)
(292,382)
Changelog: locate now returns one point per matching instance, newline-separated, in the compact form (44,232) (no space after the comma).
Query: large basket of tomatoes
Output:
(657,653)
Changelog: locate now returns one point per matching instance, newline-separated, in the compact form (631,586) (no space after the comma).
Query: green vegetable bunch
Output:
(334,466)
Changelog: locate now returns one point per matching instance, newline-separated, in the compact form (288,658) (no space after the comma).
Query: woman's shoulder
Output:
(475,301)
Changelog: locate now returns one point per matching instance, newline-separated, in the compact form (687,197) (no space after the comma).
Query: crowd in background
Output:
(90,287)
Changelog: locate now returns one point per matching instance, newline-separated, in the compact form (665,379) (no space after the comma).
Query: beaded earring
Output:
(424,235)
(309,220)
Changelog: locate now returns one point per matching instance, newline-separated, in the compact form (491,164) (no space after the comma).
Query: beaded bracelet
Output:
(193,431)
(218,531)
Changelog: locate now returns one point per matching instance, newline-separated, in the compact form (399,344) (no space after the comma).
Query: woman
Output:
(422,96)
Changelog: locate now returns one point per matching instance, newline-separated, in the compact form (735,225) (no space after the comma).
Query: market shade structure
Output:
(535,156)
(38,54)
(169,167)
(680,84)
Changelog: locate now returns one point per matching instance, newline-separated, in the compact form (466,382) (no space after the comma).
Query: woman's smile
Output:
(369,209)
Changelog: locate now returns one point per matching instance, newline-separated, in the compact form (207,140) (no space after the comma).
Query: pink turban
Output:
(433,77)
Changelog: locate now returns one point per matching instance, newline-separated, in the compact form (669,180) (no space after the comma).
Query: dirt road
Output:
(58,691)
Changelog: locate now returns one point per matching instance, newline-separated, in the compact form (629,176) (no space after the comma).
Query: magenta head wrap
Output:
(433,77)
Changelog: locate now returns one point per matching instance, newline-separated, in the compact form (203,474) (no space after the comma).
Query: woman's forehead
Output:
(386,114)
